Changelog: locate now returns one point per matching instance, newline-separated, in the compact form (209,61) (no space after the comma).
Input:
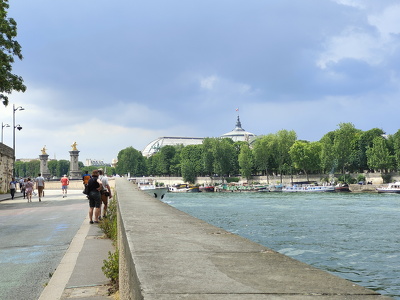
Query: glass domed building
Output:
(237,134)
(156,145)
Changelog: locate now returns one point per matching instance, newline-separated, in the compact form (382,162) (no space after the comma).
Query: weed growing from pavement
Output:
(109,226)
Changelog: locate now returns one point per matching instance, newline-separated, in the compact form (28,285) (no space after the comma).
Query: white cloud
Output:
(353,3)
(209,82)
(387,22)
(352,43)
(370,42)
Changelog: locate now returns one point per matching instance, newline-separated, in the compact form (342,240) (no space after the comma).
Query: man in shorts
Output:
(105,193)
(40,185)
(64,185)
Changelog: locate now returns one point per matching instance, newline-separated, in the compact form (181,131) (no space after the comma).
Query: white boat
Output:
(309,188)
(148,185)
(179,188)
(391,188)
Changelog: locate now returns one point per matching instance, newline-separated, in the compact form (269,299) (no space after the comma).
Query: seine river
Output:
(352,235)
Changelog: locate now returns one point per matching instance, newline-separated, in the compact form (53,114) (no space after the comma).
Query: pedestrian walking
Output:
(13,186)
(29,189)
(105,193)
(23,188)
(64,185)
(21,182)
(86,177)
(94,187)
(40,185)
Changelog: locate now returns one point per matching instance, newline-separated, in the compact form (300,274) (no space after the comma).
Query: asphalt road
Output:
(34,238)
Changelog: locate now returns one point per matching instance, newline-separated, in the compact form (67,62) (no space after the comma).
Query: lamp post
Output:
(19,128)
(2,127)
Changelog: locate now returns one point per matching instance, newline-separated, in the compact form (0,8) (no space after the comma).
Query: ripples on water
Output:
(354,236)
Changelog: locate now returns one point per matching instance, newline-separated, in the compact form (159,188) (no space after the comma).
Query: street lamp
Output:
(19,128)
(2,127)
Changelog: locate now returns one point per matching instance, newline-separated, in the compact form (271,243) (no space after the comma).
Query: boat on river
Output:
(179,188)
(391,188)
(262,189)
(309,188)
(149,186)
(207,188)
(184,188)
(342,187)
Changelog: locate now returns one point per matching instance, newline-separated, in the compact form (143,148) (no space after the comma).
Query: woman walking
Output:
(94,187)
(29,189)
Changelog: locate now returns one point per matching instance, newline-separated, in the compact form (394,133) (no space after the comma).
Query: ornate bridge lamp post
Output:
(19,128)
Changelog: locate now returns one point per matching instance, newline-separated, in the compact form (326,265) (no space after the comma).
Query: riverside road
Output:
(34,238)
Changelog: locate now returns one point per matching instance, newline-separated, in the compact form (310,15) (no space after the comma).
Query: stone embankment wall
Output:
(165,253)
(6,167)
(375,178)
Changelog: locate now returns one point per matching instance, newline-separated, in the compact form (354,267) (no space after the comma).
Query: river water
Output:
(352,235)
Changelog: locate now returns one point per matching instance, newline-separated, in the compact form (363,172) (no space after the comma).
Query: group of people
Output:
(27,187)
(99,192)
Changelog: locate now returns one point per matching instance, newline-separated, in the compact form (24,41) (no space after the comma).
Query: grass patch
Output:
(110,266)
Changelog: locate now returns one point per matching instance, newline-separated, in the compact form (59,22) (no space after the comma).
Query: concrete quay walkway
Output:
(167,254)
(79,275)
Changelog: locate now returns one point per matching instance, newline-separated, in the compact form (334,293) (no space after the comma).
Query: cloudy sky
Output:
(114,74)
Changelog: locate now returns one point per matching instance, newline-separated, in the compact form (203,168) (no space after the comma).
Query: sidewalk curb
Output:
(59,280)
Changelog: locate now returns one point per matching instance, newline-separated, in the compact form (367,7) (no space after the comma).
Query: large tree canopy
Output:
(9,48)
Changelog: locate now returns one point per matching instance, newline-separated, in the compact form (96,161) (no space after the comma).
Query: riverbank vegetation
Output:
(111,265)
(344,150)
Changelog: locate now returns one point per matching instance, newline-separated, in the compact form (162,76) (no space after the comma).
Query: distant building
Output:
(157,144)
(96,163)
(237,134)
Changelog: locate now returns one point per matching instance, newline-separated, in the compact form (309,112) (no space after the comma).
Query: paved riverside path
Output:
(171,255)
(54,235)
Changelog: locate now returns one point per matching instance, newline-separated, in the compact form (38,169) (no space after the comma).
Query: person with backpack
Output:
(105,193)
(94,188)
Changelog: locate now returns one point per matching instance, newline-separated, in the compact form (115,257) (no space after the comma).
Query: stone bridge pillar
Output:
(74,172)
(44,169)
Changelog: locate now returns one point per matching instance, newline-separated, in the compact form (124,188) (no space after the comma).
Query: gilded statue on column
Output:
(74,146)
(44,150)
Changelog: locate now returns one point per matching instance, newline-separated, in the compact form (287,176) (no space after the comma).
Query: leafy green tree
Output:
(263,153)
(166,154)
(378,155)
(395,140)
(32,168)
(223,152)
(246,161)
(52,166)
(208,156)
(10,48)
(131,161)
(151,165)
(327,155)
(365,141)
(284,140)
(306,156)
(191,162)
(20,169)
(63,167)
(175,166)
(344,144)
